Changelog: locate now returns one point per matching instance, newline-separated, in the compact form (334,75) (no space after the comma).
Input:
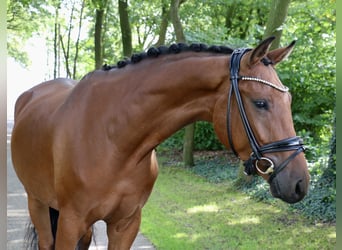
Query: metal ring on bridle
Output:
(269,170)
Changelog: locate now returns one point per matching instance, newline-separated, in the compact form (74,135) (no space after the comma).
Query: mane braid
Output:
(175,48)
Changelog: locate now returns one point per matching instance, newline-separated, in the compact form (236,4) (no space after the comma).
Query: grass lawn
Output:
(185,211)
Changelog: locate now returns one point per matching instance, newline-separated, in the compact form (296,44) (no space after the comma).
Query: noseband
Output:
(289,144)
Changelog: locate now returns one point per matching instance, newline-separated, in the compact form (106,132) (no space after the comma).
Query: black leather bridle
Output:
(289,144)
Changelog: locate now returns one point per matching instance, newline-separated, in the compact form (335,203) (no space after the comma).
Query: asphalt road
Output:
(17,213)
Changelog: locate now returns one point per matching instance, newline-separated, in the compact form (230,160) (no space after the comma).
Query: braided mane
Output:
(172,49)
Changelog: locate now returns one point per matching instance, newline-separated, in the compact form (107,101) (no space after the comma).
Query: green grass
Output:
(185,211)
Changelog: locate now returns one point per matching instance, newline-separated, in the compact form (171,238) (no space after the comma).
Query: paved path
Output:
(17,214)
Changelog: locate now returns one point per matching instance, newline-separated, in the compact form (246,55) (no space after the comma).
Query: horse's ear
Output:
(280,54)
(260,51)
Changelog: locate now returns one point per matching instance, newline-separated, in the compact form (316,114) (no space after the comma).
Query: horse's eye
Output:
(261,104)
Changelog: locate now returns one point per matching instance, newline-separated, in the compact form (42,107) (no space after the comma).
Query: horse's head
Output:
(259,122)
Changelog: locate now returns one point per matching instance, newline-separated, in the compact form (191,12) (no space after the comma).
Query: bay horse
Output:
(85,150)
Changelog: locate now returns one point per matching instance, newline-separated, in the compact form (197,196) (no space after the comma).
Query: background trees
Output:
(83,35)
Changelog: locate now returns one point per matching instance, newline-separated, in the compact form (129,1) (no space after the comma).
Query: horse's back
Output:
(32,133)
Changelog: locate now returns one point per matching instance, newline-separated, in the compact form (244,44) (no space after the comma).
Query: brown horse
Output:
(86,149)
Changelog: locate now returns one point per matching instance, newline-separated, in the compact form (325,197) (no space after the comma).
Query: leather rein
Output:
(257,156)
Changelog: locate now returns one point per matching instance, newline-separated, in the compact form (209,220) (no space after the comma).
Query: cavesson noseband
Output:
(289,144)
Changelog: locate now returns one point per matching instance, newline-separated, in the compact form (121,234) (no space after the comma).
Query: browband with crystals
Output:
(248,78)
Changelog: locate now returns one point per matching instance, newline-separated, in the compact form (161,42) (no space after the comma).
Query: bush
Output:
(205,139)
(321,200)
(215,170)
(320,203)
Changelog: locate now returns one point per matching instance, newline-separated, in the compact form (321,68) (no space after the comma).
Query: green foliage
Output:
(175,142)
(310,73)
(215,169)
(320,203)
(23,20)
(205,139)
(145,17)
(221,22)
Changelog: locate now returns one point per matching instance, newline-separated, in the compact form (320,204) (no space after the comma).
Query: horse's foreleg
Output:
(85,241)
(122,234)
(70,230)
(40,217)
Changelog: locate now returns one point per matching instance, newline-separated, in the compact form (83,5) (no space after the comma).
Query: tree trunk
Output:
(78,41)
(66,47)
(56,45)
(177,25)
(276,19)
(98,37)
(125,28)
(188,144)
(67,53)
(163,26)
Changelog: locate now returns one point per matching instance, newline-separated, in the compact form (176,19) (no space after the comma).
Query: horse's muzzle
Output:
(292,192)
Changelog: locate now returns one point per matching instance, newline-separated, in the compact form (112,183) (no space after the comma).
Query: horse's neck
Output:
(158,98)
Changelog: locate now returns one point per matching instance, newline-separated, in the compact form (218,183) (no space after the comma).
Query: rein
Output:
(252,165)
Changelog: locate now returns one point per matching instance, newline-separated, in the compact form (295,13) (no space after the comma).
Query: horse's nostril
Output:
(299,189)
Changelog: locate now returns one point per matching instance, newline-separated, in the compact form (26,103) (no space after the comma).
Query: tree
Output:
(24,20)
(66,47)
(188,145)
(177,25)
(276,20)
(165,16)
(70,47)
(100,9)
(78,40)
(311,70)
(56,44)
(126,32)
